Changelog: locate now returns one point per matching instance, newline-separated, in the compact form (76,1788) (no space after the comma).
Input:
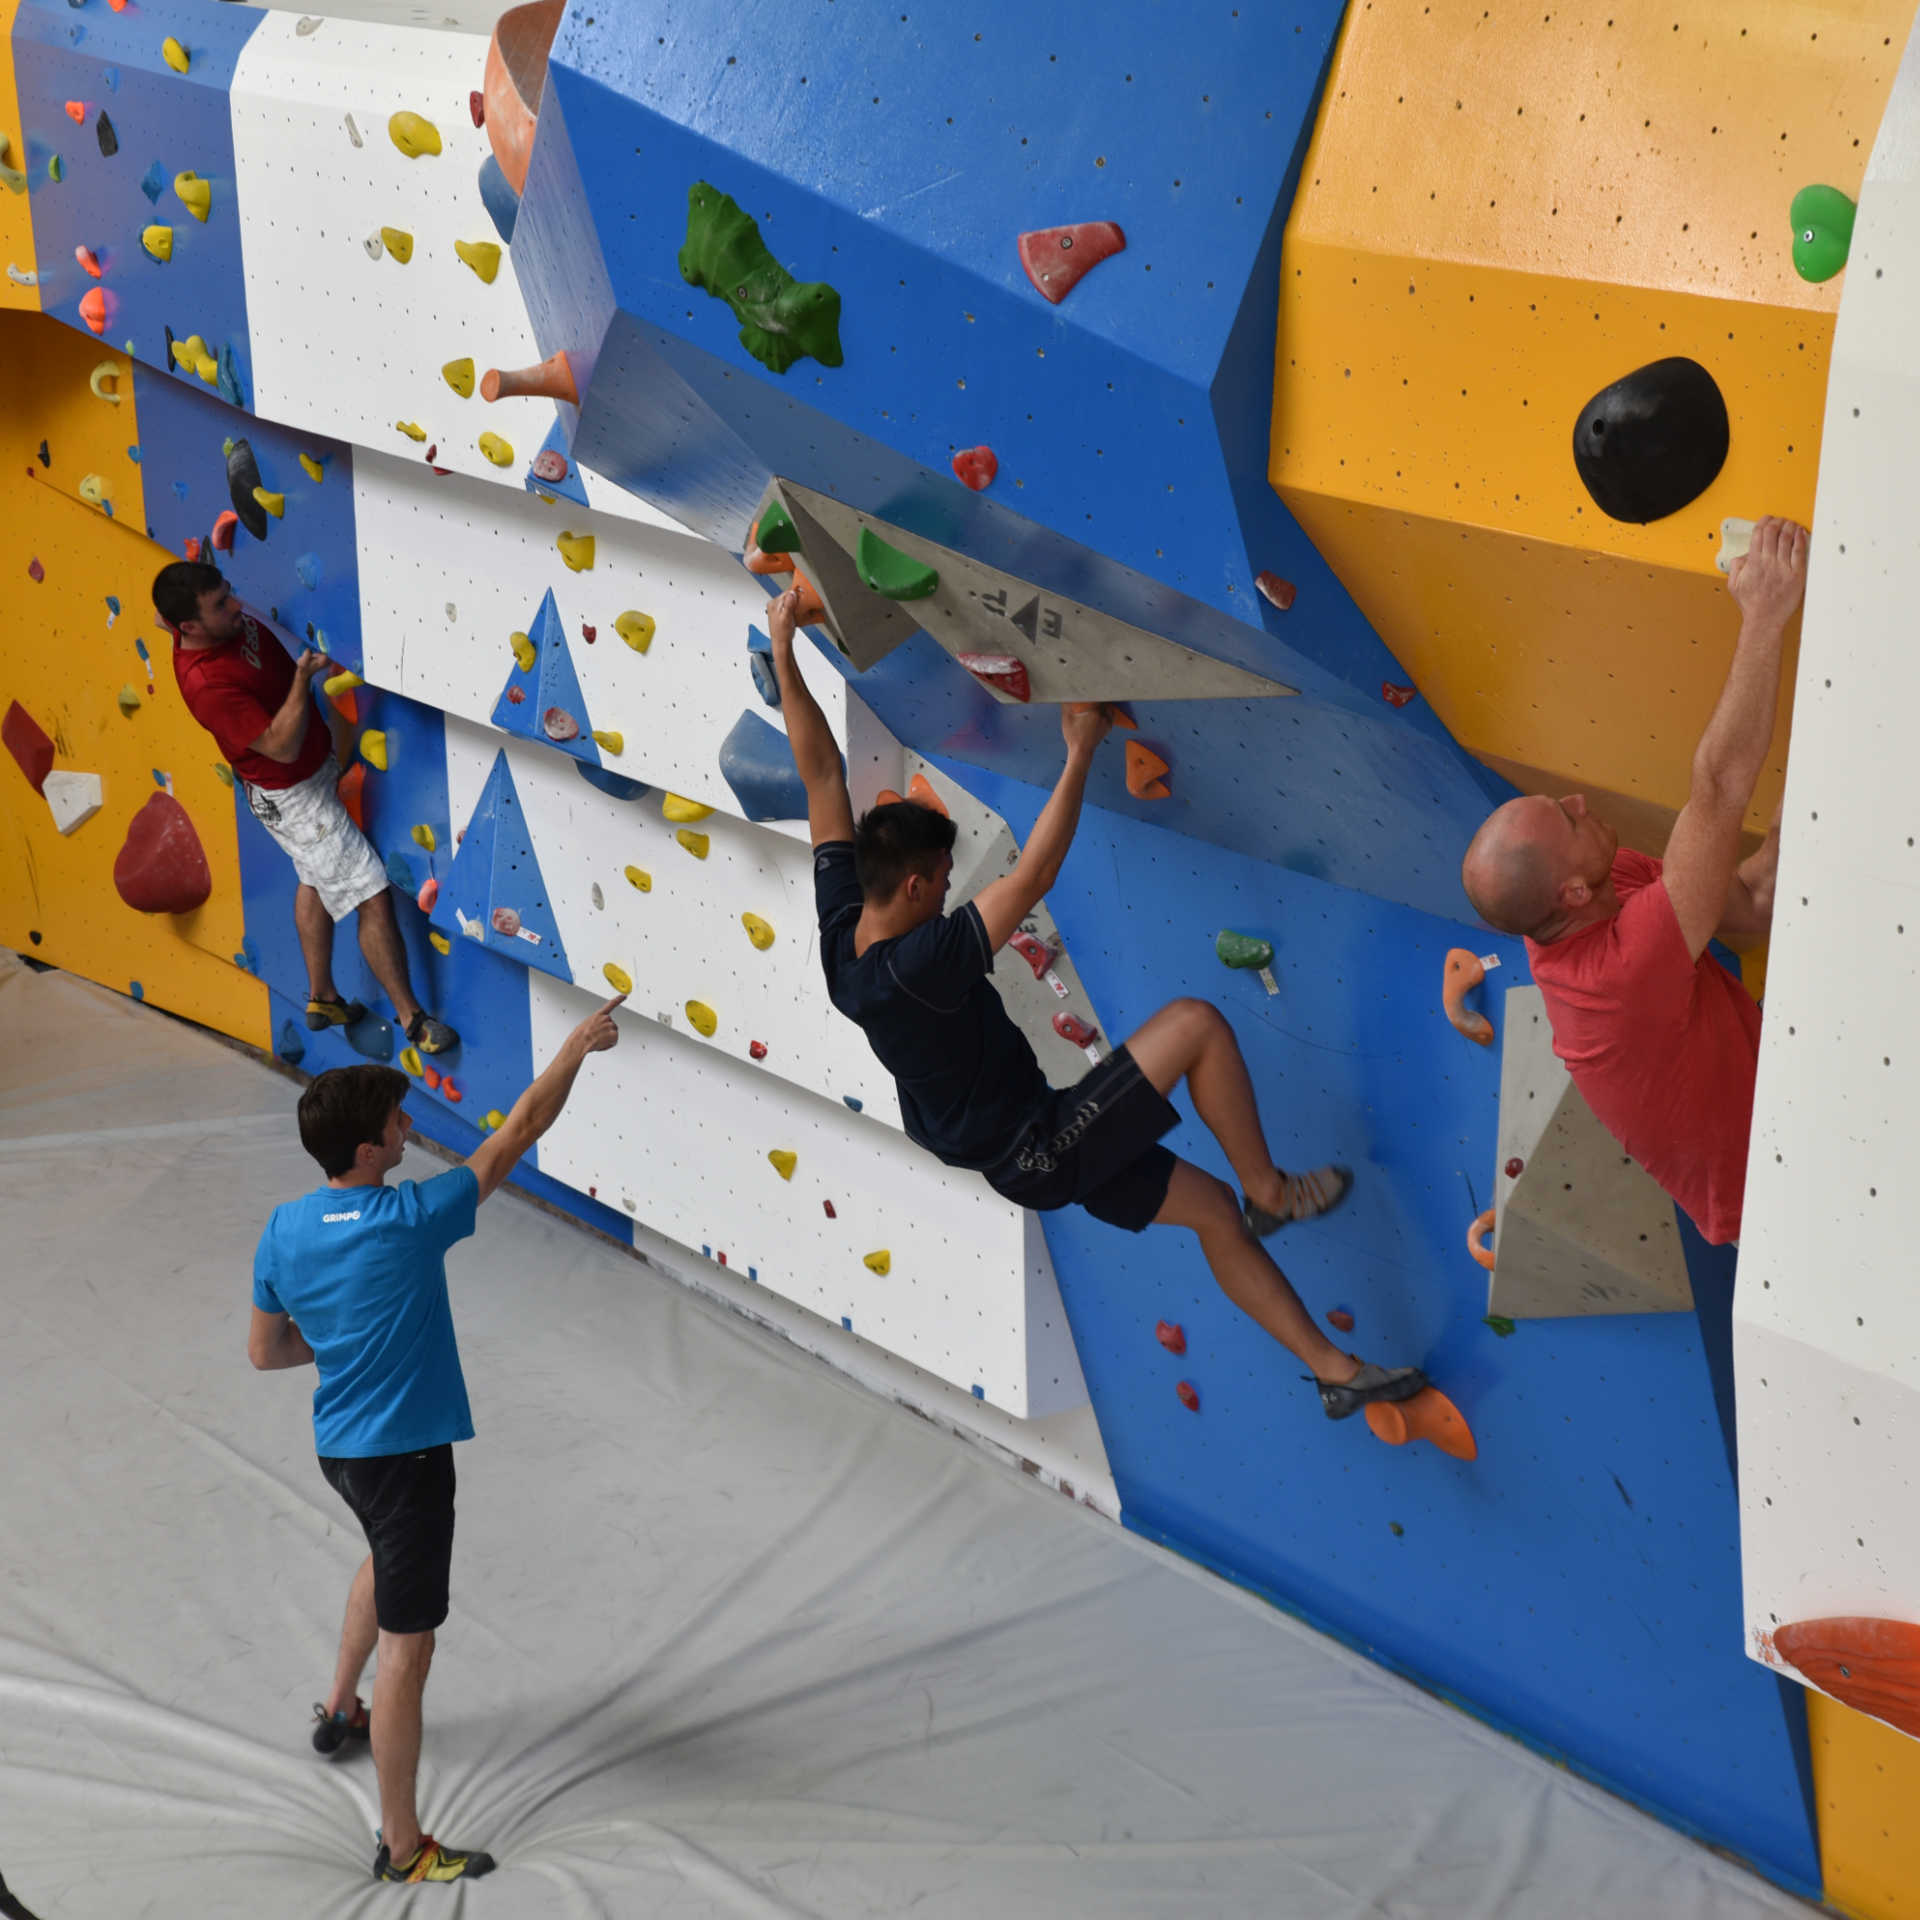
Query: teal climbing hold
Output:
(1822,220)
(776,532)
(371,1037)
(781,319)
(136,989)
(400,874)
(889,572)
(292,1049)
(760,664)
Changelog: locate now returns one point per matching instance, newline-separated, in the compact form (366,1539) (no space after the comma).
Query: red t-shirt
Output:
(1663,1047)
(234,691)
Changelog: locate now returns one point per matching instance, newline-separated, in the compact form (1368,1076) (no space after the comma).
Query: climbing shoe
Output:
(332,1732)
(431,1861)
(1343,1397)
(1309,1195)
(322,1014)
(431,1035)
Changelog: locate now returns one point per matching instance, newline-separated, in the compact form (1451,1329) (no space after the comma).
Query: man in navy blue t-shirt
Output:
(915,980)
(353,1279)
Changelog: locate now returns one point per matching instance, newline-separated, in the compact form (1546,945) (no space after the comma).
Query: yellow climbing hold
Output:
(158,241)
(499,451)
(275,503)
(481,255)
(676,808)
(128,701)
(373,748)
(695,843)
(411,429)
(410,1059)
(175,55)
(208,368)
(439,942)
(608,741)
(636,629)
(312,468)
(424,836)
(413,135)
(192,356)
(337,684)
(576,549)
(16,181)
(458,374)
(640,878)
(783,1162)
(524,651)
(92,489)
(196,195)
(703,1017)
(757,930)
(495,1119)
(399,243)
(881,1262)
(618,978)
(223,773)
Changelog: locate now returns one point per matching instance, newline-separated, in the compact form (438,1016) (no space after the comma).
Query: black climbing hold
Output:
(1652,442)
(243,475)
(42,454)
(104,133)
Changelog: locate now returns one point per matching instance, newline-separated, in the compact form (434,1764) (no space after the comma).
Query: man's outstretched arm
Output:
(539,1107)
(815,756)
(1747,917)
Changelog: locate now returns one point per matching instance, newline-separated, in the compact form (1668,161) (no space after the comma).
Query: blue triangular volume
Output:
(548,687)
(572,487)
(494,892)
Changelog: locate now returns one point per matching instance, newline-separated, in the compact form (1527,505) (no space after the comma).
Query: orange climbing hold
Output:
(89,261)
(353,793)
(1478,1242)
(77,112)
(223,531)
(552,379)
(1465,972)
(1058,258)
(812,608)
(95,309)
(190,546)
(975,467)
(1146,773)
(920,792)
(1869,1664)
(758,562)
(1429,1415)
(886,797)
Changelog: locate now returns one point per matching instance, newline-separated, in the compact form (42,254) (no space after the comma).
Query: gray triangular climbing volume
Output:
(494,892)
(544,702)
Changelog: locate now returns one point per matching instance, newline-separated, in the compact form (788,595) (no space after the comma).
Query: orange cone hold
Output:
(920,792)
(812,607)
(886,797)
(552,379)
(1146,773)
(758,562)
(1429,1415)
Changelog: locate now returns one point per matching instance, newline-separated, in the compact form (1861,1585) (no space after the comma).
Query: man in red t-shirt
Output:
(1661,1040)
(240,685)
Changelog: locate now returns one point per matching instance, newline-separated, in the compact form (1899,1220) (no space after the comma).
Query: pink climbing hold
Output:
(1189,1397)
(1075,1031)
(558,724)
(1274,590)
(25,738)
(1057,258)
(35,571)
(505,921)
(549,464)
(161,866)
(1000,673)
(1171,1335)
(1396,696)
(975,467)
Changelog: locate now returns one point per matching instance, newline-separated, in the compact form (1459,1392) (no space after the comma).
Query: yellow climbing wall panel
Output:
(16,221)
(67,666)
(1503,211)
(1866,1780)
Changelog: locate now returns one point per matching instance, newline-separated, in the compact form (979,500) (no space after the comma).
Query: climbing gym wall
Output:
(512,367)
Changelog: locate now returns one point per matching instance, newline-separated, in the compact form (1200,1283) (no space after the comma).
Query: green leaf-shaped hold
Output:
(1499,1323)
(781,319)
(1822,231)
(776,532)
(1243,950)
(889,572)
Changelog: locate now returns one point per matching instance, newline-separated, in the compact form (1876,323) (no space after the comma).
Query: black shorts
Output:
(404,1501)
(1095,1144)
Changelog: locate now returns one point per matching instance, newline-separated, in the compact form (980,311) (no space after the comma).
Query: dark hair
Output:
(347,1108)
(177,588)
(893,841)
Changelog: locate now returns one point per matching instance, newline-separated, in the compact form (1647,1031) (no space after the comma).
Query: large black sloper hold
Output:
(1653,441)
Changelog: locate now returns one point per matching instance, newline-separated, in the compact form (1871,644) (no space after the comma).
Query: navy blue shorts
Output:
(1095,1145)
(404,1503)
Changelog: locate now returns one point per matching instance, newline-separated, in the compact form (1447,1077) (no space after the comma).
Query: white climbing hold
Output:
(20,279)
(353,132)
(73,798)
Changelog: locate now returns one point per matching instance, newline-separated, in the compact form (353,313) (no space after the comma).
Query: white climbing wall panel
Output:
(1827,1314)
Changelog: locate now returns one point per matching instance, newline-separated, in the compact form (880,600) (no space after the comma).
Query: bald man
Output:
(1661,1040)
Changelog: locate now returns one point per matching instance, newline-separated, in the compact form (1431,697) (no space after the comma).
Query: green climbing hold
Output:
(1822,231)
(889,572)
(781,319)
(56,169)
(776,532)
(1499,1323)
(1243,950)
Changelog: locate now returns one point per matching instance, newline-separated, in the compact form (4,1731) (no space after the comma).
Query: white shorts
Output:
(329,853)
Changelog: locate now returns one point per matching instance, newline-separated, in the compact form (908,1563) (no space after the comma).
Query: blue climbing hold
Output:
(179,489)
(113,605)
(230,389)
(136,989)
(111,76)
(756,763)
(292,1048)
(133,453)
(616,784)
(159,778)
(502,203)
(307,570)
(401,874)
(153,182)
(371,1037)
(856,1105)
(760,663)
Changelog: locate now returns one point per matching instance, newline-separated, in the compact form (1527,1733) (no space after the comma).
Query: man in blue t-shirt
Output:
(353,1279)
(971,1092)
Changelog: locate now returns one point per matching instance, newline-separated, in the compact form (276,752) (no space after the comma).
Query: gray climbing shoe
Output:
(1341,1398)
(1309,1195)
(431,1035)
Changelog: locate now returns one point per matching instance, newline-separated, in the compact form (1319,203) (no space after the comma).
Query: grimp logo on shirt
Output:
(329,1218)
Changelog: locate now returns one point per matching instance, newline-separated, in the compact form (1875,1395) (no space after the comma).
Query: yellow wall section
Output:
(65,665)
(1866,1781)
(1502,212)
(16,219)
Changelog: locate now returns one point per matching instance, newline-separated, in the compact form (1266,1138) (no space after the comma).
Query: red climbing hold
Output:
(431,1075)
(587,633)
(515,695)
(1396,696)
(1000,673)
(757,1049)
(1189,1398)
(190,546)
(477,106)
(1056,258)
(1274,590)
(223,530)
(1516,1167)
(36,572)
(1033,950)
(1072,1029)
(427,896)
(26,740)
(1171,1335)
(549,465)
(449,1091)
(828,1204)
(161,867)
(1340,1319)
(975,467)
